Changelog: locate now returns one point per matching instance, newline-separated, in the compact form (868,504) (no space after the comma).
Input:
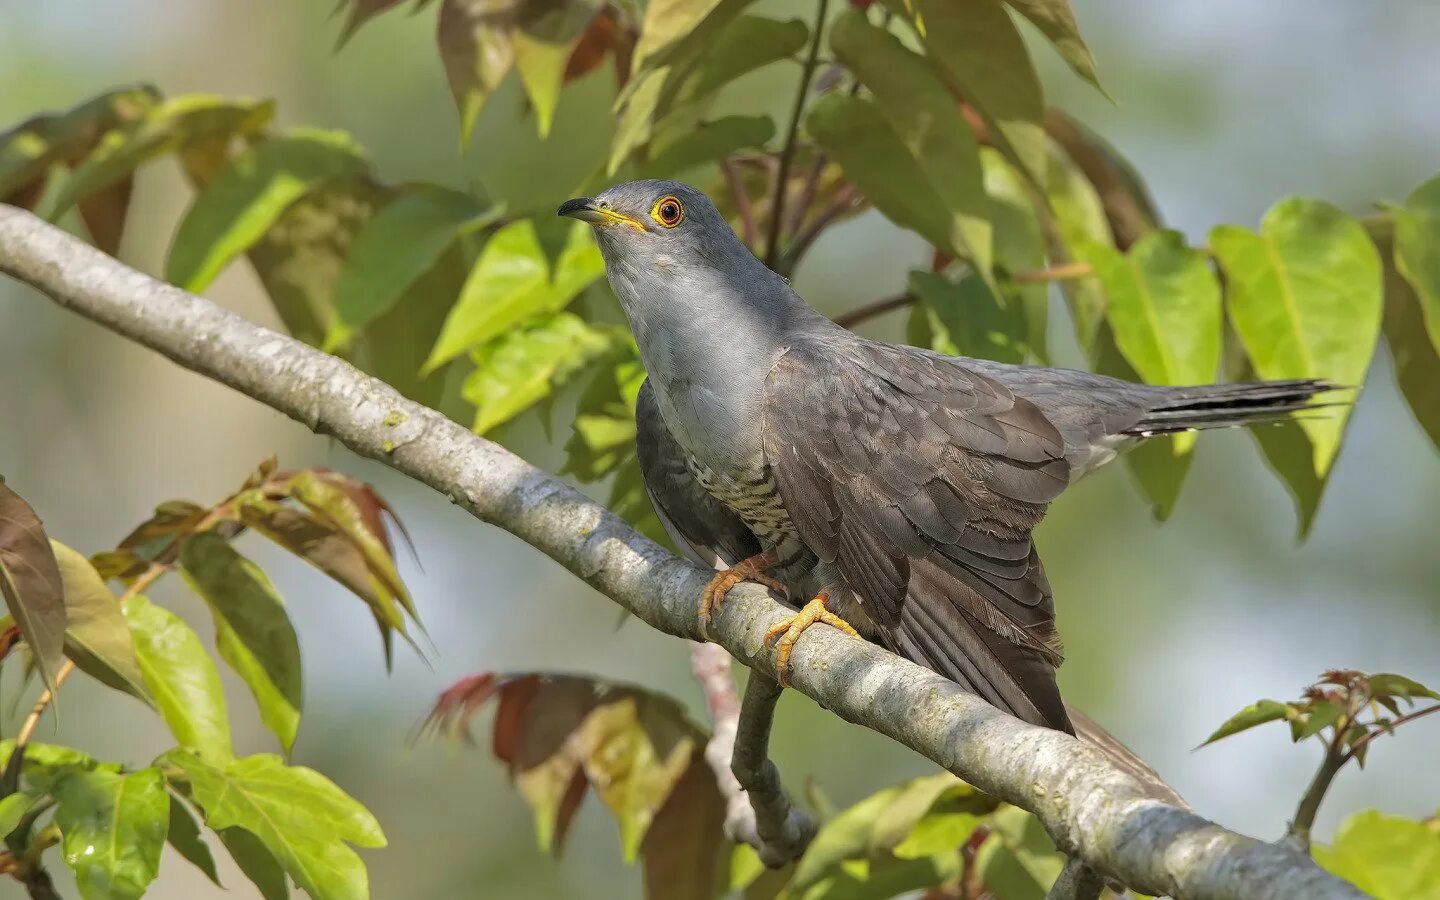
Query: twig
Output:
(844,199)
(711,667)
(741,200)
(1371,735)
(807,194)
(1077,881)
(1090,806)
(780,831)
(1062,272)
(787,152)
(870,310)
(1299,831)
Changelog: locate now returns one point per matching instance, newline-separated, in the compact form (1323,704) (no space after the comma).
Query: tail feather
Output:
(1230,405)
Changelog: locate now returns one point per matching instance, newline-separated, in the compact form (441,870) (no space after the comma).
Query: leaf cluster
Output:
(281,823)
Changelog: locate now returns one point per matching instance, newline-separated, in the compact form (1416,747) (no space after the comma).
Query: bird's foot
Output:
(756,569)
(787,631)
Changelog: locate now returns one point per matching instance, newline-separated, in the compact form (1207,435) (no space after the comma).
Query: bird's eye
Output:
(668,212)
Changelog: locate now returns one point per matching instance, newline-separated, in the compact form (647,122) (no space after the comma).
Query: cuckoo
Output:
(886,490)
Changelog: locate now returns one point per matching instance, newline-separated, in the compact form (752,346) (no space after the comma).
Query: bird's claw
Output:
(756,569)
(788,630)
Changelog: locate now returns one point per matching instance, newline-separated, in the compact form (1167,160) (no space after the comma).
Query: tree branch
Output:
(778,831)
(1089,806)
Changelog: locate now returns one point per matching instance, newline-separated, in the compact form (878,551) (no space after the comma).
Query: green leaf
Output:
(1389,684)
(1305,298)
(393,249)
(676,37)
(964,319)
(853,131)
(1416,359)
(1080,221)
(248,197)
(604,431)
(47,764)
(938,833)
(512,281)
(542,49)
(114,828)
(30,582)
(1417,250)
(299,259)
(299,816)
(13,808)
(97,638)
(181,678)
(174,125)
(707,142)
(1018,859)
(184,836)
(1257,713)
(1020,245)
(1387,857)
(1165,308)
(30,149)
(981,51)
(519,369)
(1056,20)
(257,863)
(252,630)
(746,44)
(927,121)
(672,26)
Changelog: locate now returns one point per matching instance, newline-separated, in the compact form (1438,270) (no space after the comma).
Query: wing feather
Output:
(921,481)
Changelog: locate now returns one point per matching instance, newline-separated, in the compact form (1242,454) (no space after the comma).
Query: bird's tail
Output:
(1229,405)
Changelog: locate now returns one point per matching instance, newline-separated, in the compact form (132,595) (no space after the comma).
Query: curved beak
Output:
(586,209)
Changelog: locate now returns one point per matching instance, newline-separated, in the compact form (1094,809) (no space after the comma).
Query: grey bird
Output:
(888,490)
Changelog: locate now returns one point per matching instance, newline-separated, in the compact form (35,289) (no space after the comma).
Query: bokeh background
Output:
(1224,107)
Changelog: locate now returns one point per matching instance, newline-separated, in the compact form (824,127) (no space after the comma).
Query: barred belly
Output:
(753,498)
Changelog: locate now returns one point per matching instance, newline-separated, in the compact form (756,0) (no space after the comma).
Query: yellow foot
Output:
(788,631)
(756,568)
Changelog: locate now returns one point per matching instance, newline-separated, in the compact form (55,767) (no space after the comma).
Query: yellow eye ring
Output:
(668,211)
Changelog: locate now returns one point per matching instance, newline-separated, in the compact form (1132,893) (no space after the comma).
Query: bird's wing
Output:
(703,528)
(921,480)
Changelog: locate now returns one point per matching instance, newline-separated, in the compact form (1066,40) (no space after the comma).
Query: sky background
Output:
(1224,107)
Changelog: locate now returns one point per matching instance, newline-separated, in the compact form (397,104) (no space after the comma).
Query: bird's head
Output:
(672,258)
(642,221)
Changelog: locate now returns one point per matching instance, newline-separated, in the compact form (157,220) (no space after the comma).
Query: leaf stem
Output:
(787,153)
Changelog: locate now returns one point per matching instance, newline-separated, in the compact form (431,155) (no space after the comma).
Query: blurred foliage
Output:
(111,822)
(930,113)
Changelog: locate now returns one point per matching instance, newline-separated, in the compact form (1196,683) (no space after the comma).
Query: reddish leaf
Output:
(558,733)
(683,847)
(30,582)
(337,507)
(319,542)
(158,535)
(609,34)
(104,213)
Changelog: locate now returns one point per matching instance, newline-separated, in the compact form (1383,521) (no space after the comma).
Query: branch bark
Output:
(1090,807)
